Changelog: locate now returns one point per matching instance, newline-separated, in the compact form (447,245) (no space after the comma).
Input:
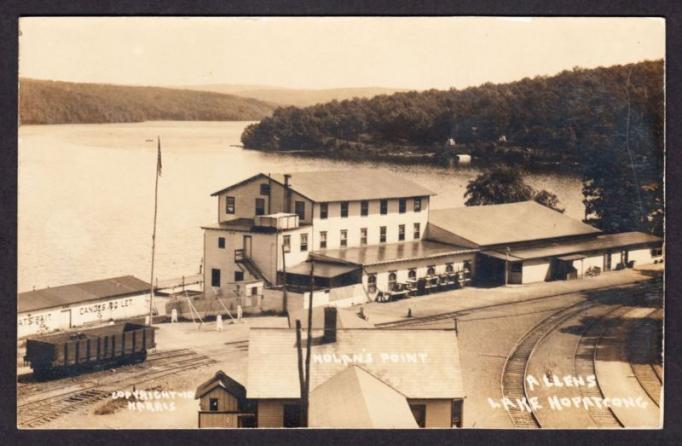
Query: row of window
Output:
(343,242)
(299,207)
(364,207)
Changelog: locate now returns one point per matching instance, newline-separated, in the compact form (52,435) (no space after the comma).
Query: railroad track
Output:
(585,358)
(642,336)
(649,288)
(513,380)
(42,410)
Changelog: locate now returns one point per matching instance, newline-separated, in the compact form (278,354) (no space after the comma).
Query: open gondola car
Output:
(72,352)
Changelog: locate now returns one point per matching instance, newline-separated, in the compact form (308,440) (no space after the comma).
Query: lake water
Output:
(86,195)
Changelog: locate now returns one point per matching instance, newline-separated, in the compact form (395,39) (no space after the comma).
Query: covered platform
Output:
(326,274)
(390,253)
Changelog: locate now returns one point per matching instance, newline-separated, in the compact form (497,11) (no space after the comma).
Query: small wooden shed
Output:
(223,404)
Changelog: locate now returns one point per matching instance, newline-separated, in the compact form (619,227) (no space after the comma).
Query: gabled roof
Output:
(507,223)
(419,363)
(80,292)
(220,379)
(354,398)
(345,185)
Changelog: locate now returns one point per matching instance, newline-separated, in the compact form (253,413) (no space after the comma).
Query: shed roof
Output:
(322,269)
(80,292)
(419,363)
(220,379)
(564,248)
(354,398)
(391,252)
(507,223)
(346,185)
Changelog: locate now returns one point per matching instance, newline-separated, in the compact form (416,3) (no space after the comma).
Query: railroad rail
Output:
(513,380)
(585,358)
(34,410)
(643,360)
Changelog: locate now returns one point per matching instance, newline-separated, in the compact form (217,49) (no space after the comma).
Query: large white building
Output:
(374,231)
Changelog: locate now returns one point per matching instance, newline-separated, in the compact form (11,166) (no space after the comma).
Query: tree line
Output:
(606,123)
(54,102)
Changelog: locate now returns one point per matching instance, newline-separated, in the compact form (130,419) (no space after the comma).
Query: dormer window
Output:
(344,209)
(383,207)
(417,204)
(402,205)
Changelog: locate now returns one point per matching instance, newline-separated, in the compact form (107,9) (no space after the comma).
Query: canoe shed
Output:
(75,305)
(527,242)
(223,403)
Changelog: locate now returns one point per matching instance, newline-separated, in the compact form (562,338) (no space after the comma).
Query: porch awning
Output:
(500,256)
(322,269)
(571,258)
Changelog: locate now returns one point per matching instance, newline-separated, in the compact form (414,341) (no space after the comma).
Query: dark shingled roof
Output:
(80,292)
(507,223)
(346,185)
(220,379)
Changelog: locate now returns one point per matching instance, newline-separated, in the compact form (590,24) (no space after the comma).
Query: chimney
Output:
(329,325)
(287,193)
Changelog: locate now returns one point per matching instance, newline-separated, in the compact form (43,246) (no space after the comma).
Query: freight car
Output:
(72,352)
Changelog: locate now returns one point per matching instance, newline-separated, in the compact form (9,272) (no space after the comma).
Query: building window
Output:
(215,277)
(392,279)
(383,207)
(238,276)
(229,205)
(364,208)
(213,404)
(419,412)
(260,206)
(431,271)
(286,243)
(401,232)
(412,274)
(382,234)
(344,209)
(417,204)
(363,236)
(221,242)
(457,413)
(656,252)
(304,242)
(372,283)
(449,268)
(265,189)
(324,210)
(417,231)
(344,238)
(323,239)
(300,209)
(292,415)
(254,291)
(402,205)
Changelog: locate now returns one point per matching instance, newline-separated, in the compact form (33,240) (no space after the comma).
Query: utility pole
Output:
(156,199)
(284,280)
(309,341)
(301,377)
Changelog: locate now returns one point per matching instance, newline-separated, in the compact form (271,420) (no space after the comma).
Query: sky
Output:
(412,53)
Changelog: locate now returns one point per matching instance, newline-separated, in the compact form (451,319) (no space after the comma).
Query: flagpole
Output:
(156,198)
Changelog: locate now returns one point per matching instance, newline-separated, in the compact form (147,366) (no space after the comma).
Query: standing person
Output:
(219,323)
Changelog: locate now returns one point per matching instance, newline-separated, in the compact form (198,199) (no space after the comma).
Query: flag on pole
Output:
(158,160)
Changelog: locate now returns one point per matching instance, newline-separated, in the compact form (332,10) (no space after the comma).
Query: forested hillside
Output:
(52,102)
(549,117)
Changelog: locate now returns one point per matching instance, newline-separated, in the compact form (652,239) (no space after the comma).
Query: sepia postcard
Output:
(348,222)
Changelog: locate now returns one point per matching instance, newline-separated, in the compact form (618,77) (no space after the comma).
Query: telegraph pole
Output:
(156,199)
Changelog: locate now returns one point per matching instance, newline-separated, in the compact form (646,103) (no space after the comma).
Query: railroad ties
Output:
(41,403)
(514,372)
(644,335)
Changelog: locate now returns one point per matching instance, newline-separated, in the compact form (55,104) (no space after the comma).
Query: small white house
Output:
(75,305)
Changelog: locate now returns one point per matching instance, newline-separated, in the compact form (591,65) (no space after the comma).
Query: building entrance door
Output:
(247,246)
(66,316)
(607,261)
